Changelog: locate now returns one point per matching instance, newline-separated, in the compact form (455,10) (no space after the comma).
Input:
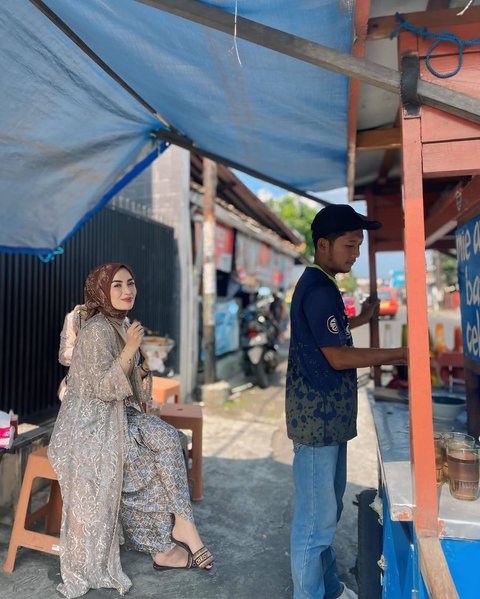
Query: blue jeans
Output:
(320,476)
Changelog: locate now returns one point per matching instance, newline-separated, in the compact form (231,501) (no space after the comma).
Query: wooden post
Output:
(432,561)
(209,273)
(421,418)
(372,268)
(433,564)
(420,391)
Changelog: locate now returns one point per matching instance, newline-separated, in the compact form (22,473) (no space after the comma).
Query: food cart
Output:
(429,544)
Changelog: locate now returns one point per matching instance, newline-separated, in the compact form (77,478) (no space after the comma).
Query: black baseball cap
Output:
(339,218)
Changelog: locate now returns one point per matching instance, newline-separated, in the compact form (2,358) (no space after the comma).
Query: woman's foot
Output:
(175,558)
(186,534)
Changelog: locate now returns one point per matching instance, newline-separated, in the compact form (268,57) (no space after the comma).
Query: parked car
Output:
(388,301)
(349,304)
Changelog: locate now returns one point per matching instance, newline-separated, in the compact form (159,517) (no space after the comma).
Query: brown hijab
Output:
(97,295)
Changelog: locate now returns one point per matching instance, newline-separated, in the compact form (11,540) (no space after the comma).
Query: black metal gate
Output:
(34,298)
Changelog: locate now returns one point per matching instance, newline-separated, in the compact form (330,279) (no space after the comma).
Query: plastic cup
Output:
(463,468)
(454,436)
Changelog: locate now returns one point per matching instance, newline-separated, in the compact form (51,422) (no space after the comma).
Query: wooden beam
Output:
(437,4)
(387,164)
(389,245)
(446,246)
(379,139)
(461,105)
(434,567)
(460,204)
(442,216)
(389,157)
(468,202)
(451,158)
(184,142)
(362,12)
(380,28)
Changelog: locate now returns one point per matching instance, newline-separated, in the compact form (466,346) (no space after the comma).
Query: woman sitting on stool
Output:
(118,468)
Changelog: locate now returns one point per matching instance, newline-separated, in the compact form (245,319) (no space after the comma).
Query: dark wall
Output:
(34,298)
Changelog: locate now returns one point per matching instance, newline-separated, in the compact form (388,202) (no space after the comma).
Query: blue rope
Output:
(51,255)
(438,37)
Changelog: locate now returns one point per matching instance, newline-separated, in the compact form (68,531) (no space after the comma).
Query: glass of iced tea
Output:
(463,470)
(454,436)
(439,449)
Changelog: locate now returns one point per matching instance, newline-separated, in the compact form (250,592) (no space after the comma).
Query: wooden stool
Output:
(37,466)
(163,388)
(189,417)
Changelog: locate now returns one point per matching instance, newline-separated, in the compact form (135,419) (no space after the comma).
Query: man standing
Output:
(321,398)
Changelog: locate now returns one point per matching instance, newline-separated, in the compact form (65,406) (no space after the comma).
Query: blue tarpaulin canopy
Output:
(71,127)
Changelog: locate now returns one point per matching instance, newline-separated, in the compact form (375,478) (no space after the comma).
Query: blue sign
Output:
(398,278)
(468,257)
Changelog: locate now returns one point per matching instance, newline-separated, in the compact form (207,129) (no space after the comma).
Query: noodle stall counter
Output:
(392,572)
(429,544)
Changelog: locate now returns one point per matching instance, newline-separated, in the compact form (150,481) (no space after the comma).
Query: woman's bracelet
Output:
(125,363)
(145,369)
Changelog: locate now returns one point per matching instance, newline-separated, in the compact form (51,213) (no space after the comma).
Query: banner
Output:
(227,328)
(468,256)
(223,247)
(224,237)
(257,264)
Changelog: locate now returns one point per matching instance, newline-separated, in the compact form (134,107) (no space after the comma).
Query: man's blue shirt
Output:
(321,402)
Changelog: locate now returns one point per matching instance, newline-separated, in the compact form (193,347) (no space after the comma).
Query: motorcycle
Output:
(258,340)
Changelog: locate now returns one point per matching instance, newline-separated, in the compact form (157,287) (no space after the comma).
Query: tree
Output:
(448,264)
(347,282)
(297,215)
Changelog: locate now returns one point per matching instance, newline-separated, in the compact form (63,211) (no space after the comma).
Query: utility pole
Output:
(209,273)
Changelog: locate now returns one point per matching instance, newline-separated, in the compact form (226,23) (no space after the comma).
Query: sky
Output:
(387,262)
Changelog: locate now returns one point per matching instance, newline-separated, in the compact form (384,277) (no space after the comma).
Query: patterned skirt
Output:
(154,483)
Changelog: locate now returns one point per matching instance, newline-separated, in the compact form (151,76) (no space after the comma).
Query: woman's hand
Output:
(135,334)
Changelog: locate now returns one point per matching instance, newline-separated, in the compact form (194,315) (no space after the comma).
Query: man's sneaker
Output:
(347,593)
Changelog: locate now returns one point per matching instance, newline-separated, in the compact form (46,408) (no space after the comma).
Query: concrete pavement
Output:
(244,518)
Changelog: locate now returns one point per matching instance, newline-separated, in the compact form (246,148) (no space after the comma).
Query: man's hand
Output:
(370,308)
(342,357)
